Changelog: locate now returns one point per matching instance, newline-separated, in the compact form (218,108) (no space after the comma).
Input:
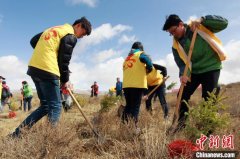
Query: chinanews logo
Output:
(216,142)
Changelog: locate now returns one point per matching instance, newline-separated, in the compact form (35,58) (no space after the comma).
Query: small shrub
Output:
(13,105)
(81,100)
(171,85)
(108,102)
(205,118)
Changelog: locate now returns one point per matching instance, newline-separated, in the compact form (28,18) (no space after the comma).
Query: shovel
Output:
(173,127)
(164,80)
(80,109)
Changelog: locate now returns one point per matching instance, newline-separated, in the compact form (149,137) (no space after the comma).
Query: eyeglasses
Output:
(172,31)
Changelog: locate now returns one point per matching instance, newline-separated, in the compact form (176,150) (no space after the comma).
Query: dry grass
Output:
(73,138)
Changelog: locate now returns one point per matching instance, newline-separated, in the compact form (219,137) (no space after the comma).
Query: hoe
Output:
(173,127)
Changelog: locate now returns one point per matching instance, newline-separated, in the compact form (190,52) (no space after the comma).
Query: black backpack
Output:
(5,93)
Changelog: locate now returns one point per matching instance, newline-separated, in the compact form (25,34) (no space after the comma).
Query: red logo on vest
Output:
(129,62)
(51,33)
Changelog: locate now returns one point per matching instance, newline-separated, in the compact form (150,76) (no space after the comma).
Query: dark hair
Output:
(137,45)
(3,82)
(85,24)
(24,82)
(171,20)
(1,77)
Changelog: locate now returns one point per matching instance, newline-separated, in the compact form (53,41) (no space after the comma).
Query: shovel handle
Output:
(176,114)
(164,80)
(80,109)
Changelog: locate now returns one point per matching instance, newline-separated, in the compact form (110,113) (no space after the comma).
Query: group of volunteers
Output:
(53,49)
(6,95)
(204,68)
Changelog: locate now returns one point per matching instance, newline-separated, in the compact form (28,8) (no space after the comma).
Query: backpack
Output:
(5,93)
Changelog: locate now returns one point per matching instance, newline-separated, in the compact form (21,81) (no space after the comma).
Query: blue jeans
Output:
(27,101)
(50,103)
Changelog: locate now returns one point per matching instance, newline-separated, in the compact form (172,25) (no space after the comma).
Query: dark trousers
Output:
(94,94)
(133,98)
(209,81)
(27,102)
(160,92)
(119,93)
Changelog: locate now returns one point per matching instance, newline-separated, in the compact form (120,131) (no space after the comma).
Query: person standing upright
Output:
(5,94)
(94,91)
(1,79)
(49,63)
(118,87)
(27,96)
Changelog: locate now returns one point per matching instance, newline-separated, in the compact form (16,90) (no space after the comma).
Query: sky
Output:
(117,24)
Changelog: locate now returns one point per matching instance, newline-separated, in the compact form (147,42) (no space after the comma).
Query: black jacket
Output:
(161,68)
(66,46)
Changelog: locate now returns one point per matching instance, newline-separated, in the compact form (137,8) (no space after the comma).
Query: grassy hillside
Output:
(74,139)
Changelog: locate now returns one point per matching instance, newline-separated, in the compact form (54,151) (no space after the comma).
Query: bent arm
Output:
(64,56)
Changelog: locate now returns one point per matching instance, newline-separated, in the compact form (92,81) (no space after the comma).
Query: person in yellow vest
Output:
(135,69)
(206,56)
(1,79)
(111,91)
(154,78)
(49,63)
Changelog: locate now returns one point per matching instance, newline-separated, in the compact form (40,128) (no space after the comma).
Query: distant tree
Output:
(171,86)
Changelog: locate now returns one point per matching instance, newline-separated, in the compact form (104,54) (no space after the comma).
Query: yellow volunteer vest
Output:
(134,72)
(112,89)
(209,37)
(45,54)
(154,78)
(0,91)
